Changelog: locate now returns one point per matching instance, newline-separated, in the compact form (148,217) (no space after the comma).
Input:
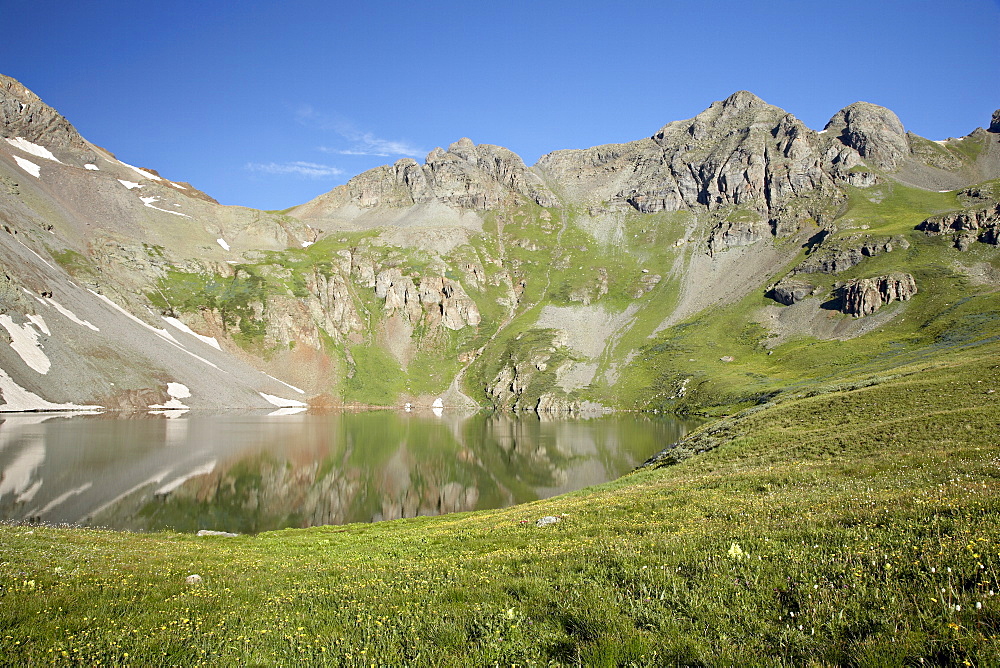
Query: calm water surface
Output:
(255,472)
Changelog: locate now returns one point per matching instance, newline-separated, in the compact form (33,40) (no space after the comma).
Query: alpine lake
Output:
(246,472)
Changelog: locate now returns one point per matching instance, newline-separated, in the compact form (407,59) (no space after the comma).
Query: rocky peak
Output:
(873,131)
(463,148)
(466,176)
(739,111)
(23,114)
(995,125)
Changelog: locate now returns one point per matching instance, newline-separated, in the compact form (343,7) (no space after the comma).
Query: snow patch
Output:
(92,167)
(142,172)
(129,184)
(28,166)
(307,244)
(39,322)
(64,311)
(176,185)
(24,341)
(210,340)
(282,403)
(148,201)
(33,149)
(292,387)
(162,333)
(177,391)
(438,403)
(222,242)
(19,399)
(35,254)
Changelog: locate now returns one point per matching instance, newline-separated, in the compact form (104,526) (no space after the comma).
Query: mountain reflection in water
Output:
(253,472)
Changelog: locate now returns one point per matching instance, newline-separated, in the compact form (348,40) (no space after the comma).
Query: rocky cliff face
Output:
(23,114)
(465,176)
(470,277)
(864,296)
(968,226)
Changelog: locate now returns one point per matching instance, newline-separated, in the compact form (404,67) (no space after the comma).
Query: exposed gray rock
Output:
(440,300)
(548,520)
(740,152)
(873,131)
(465,176)
(846,252)
(222,534)
(864,296)
(968,226)
(23,114)
(12,297)
(995,124)
(790,291)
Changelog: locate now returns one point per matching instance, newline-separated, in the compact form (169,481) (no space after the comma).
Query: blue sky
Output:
(269,104)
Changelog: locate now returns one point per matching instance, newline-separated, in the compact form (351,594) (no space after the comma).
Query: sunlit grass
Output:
(856,526)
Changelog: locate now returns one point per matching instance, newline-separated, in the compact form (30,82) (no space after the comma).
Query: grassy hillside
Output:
(859,524)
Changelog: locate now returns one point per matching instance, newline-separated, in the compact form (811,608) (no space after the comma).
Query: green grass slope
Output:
(856,525)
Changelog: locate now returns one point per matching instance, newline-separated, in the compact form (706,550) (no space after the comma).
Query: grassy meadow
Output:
(850,525)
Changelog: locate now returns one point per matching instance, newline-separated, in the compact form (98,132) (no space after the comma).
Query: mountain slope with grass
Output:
(856,524)
(829,298)
(723,259)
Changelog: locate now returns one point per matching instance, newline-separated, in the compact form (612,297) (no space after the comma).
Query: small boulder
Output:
(193,579)
(547,520)
(791,292)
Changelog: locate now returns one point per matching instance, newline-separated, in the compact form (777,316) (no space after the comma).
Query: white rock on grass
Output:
(193,579)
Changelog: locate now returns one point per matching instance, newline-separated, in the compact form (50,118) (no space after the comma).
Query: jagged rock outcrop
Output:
(864,296)
(995,124)
(967,226)
(873,131)
(740,152)
(467,176)
(526,379)
(440,299)
(23,114)
(847,252)
(302,319)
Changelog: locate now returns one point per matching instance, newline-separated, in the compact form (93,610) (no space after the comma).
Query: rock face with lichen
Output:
(864,296)
(967,226)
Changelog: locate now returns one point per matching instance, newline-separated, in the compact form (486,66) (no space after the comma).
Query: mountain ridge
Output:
(478,279)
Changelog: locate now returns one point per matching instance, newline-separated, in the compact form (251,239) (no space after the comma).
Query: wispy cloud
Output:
(309,170)
(360,142)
